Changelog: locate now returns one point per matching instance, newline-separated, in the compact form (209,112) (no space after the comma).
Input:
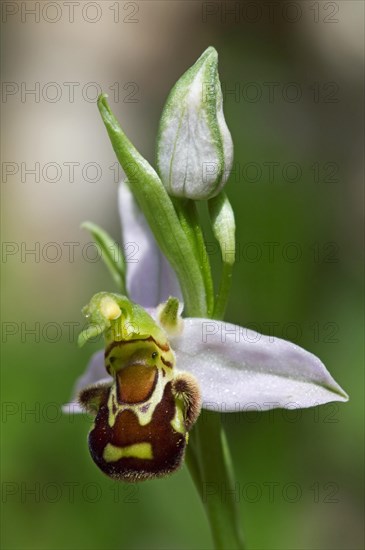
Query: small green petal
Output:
(169,317)
(224,228)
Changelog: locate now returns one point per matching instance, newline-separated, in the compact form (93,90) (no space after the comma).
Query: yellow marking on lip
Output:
(177,422)
(138,450)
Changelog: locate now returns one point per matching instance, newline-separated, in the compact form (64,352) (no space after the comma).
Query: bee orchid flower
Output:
(167,355)
(237,369)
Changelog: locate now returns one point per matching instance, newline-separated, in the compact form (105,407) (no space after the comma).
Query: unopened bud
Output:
(195,149)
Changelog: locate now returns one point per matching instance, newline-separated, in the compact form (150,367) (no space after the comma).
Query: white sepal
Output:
(150,278)
(239,369)
(94,373)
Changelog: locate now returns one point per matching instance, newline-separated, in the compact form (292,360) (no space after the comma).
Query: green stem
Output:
(210,465)
(223,292)
(218,483)
(189,219)
(209,462)
(159,211)
(192,461)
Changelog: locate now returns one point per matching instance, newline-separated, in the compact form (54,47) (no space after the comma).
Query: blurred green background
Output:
(292,76)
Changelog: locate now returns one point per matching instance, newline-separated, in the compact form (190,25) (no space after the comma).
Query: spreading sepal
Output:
(144,256)
(239,369)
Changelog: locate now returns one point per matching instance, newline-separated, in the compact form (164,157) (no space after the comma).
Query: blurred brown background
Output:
(292,78)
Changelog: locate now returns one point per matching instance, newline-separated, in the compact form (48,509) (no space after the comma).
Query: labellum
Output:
(146,409)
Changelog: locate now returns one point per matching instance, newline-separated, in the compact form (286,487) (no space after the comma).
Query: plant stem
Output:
(189,218)
(210,466)
(209,462)
(218,483)
(159,211)
(223,293)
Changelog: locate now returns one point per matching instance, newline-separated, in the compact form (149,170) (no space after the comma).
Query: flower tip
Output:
(71,408)
(210,52)
(338,392)
(103,103)
(102,97)
(81,340)
(109,308)
(86,225)
(344,395)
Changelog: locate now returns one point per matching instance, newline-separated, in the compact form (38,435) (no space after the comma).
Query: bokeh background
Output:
(292,78)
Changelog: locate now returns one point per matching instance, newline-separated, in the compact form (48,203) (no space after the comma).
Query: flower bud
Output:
(195,149)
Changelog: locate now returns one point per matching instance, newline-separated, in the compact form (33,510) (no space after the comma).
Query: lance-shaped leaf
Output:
(156,205)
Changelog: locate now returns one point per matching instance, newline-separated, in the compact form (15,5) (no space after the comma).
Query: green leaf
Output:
(112,254)
(224,228)
(159,212)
